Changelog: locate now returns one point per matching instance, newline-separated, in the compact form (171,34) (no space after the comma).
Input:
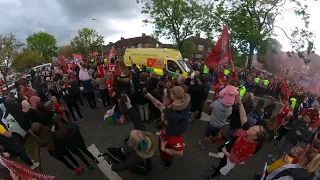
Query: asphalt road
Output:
(192,165)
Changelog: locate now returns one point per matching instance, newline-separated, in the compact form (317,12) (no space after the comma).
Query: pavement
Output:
(195,162)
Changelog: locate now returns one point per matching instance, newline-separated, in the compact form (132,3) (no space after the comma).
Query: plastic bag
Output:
(122,120)
(109,116)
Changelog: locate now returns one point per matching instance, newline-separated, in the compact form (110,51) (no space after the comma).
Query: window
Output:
(200,47)
(305,69)
(184,65)
(146,45)
(157,45)
(173,67)
(140,45)
(209,49)
(132,46)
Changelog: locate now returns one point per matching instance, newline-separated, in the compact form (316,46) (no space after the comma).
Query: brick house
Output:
(142,41)
(201,47)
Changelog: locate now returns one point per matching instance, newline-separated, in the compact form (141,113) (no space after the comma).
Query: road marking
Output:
(103,165)
(205,117)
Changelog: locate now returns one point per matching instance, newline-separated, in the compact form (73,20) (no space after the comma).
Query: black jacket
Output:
(268,111)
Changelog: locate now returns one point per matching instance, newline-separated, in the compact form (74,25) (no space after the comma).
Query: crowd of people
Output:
(46,103)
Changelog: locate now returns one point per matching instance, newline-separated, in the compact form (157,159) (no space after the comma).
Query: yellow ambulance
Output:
(156,59)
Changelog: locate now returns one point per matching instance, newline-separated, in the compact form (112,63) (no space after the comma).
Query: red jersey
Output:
(112,67)
(109,85)
(285,111)
(242,149)
(59,108)
(100,72)
(173,142)
(283,88)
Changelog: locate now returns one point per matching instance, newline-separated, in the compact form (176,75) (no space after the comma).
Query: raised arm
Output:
(157,103)
(242,112)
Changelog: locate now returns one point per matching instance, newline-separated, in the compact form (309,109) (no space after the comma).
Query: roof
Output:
(200,40)
(134,41)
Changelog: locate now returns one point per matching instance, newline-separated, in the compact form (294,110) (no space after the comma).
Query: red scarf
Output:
(22,171)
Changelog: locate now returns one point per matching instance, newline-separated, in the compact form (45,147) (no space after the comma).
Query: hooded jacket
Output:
(178,116)
(228,95)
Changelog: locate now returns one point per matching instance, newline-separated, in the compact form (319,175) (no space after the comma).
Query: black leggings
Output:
(104,95)
(91,99)
(78,97)
(60,155)
(222,163)
(75,148)
(76,107)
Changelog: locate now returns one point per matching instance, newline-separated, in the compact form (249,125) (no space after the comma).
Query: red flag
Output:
(221,53)
(61,60)
(77,56)
(111,53)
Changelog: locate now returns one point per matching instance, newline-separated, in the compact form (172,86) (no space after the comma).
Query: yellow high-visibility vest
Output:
(256,80)
(205,70)
(266,82)
(226,72)
(242,91)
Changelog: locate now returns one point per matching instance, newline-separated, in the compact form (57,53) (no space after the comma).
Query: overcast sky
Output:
(119,18)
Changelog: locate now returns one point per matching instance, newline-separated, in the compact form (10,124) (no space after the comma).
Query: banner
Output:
(22,171)
(77,57)
(111,53)
(221,53)
(61,60)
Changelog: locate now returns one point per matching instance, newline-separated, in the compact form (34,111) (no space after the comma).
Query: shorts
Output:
(211,131)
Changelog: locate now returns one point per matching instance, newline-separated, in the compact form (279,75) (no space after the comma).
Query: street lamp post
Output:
(100,36)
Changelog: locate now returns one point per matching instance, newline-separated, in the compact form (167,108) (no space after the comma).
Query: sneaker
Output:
(162,167)
(35,165)
(82,118)
(26,149)
(202,145)
(219,155)
(96,161)
(158,133)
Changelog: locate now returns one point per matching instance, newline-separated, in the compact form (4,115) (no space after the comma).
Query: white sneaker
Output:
(35,165)
(158,133)
(219,155)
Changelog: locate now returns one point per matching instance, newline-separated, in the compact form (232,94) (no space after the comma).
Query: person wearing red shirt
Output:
(248,141)
(58,108)
(314,112)
(100,71)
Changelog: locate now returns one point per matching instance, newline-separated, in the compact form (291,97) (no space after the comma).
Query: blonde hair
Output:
(25,106)
(314,164)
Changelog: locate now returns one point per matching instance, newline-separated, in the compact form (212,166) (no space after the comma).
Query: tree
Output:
(251,23)
(44,43)
(269,55)
(175,19)
(27,59)
(86,42)
(9,46)
(65,51)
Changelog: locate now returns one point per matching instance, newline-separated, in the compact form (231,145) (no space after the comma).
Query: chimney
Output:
(198,35)
(122,38)
(143,34)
